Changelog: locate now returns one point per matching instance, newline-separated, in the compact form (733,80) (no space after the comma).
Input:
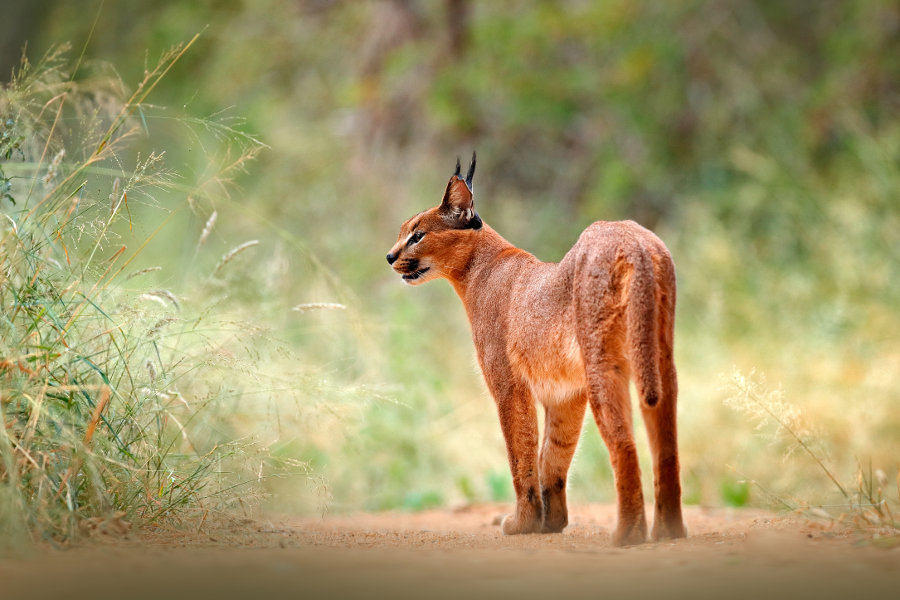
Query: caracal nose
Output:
(391,258)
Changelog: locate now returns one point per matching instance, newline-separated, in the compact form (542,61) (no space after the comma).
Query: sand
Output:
(461,553)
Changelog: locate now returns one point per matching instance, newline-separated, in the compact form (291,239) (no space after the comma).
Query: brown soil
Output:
(461,553)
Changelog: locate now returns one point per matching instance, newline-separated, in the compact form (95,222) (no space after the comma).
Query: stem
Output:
(755,397)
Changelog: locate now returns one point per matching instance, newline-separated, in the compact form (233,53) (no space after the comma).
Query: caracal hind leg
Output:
(600,330)
(611,406)
(660,422)
(562,426)
(662,433)
(518,420)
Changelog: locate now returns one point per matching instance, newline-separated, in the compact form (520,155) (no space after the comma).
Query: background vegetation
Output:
(759,139)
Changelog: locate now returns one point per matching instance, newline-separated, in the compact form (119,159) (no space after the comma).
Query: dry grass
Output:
(867,507)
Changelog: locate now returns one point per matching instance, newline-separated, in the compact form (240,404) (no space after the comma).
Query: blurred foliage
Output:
(759,139)
(735,493)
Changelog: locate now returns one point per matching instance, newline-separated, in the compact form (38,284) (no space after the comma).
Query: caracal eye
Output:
(416,237)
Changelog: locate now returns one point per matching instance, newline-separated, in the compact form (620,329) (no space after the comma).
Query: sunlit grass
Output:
(99,367)
(869,504)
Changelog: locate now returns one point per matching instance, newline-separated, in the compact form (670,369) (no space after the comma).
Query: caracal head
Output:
(432,243)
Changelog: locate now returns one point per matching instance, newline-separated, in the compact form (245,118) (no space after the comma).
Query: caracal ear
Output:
(458,205)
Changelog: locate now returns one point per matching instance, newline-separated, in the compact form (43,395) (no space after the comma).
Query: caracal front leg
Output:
(562,427)
(518,420)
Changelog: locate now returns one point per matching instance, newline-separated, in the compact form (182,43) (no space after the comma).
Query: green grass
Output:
(110,386)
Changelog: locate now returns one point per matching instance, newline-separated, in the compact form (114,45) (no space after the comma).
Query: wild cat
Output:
(565,335)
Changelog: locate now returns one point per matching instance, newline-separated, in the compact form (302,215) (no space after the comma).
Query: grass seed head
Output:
(229,256)
(143,272)
(309,306)
(207,229)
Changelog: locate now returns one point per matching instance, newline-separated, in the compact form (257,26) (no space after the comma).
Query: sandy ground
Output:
(461,553)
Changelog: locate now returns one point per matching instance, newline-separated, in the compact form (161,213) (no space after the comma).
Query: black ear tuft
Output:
(458,167)
(471,172)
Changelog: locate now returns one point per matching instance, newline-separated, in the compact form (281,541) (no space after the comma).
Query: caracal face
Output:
(430,243)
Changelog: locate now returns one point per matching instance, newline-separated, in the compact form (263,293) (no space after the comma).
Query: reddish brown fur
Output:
(567,335)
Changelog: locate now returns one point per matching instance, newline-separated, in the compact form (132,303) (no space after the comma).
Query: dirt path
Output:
(729,554)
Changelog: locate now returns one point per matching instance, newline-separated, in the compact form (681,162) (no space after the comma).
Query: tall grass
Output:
(869,505)
(109,384)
